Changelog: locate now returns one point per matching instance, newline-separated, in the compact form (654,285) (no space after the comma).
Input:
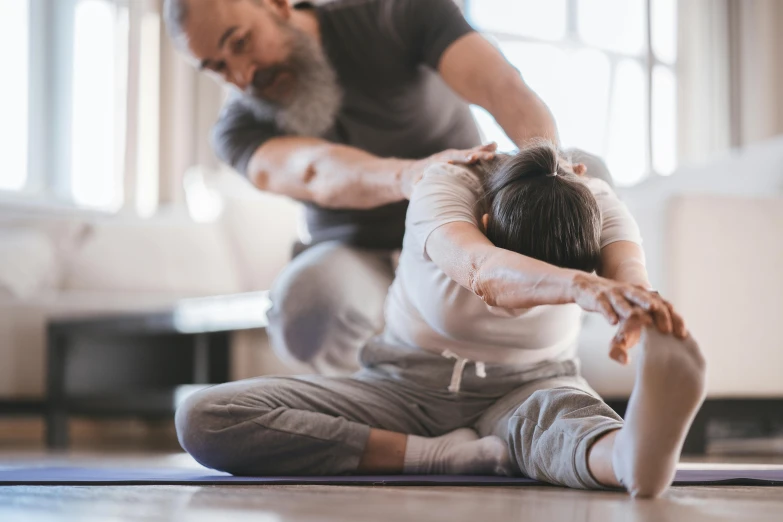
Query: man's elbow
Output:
(257,172)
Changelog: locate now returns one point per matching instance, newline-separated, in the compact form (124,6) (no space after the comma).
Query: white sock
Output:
(669,389)
(460,452)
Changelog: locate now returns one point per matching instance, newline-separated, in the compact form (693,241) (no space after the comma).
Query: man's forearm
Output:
(332,176)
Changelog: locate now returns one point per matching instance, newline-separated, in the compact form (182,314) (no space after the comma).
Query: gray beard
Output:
(317,95)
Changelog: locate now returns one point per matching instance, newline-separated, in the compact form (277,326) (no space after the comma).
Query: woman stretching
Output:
(476,370)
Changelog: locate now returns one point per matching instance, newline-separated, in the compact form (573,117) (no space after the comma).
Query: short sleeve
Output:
(238,134)
(429,27)
(617,222)
(446,194)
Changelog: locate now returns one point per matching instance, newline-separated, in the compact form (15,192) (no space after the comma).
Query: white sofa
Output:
(54,266)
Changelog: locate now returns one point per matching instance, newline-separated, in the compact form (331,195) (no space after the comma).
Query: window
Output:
(14,35)
(609,80)
(80,118)
(97,97)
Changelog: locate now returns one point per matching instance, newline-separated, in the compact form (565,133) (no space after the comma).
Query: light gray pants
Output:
(328,302)
(318,425)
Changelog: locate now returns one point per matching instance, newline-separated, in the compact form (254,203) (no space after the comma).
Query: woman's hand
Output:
(630,331)
(630,306)
(615,300)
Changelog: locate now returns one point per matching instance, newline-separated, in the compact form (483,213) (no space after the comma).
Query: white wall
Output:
(695,224)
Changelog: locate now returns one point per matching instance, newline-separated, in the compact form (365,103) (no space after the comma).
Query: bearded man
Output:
(342,106)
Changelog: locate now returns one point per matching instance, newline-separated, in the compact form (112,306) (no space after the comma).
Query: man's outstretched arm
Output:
(339,176)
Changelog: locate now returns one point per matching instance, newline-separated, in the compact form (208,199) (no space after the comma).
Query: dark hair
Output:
(539,208)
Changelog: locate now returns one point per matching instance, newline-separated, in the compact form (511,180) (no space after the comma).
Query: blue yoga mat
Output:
(64,475)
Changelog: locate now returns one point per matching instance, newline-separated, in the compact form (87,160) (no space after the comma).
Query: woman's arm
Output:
(624,261)
(509,280)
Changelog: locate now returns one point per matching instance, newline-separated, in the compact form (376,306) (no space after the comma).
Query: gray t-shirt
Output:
(385,53)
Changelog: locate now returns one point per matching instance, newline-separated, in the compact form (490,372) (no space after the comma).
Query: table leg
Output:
(201,359)
(56,403)
(220,357)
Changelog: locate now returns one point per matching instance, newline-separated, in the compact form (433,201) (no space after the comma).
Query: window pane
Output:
(93,147)
(533,18)
(582,123)
(148,137)
(627,152)
(14,38)
(664,29)
(491,131)
(544,68)
(575,86)
(664,120)
(616,25)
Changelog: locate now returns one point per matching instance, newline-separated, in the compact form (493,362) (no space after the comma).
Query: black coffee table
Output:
(131,364)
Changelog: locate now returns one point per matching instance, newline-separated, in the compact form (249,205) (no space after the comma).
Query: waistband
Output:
(450,372)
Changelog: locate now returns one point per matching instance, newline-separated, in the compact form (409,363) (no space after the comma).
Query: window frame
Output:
(48,183)
(572,40)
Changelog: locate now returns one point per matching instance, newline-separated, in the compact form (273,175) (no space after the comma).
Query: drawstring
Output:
(459,368)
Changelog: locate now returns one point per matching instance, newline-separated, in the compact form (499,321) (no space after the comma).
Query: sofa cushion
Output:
(169,255)
(28,263)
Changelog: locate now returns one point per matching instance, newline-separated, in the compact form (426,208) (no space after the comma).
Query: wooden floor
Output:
(376,504)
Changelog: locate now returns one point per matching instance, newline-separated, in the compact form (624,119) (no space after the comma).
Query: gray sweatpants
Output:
(316,425)
(329,300)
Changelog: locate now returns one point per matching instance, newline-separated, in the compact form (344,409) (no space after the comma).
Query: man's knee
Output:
(329,296)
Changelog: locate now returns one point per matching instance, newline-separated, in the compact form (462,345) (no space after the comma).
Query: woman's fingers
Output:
(621,305)
(627,336)
(678,323)
(653,303)
(606,309)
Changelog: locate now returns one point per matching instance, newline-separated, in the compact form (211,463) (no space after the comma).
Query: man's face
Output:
(245,43)
(281,69)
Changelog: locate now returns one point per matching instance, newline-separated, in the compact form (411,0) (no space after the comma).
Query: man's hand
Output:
(577,168)
(414,172)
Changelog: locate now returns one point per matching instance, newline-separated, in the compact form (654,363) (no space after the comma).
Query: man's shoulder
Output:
(599,187)
(335,10)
